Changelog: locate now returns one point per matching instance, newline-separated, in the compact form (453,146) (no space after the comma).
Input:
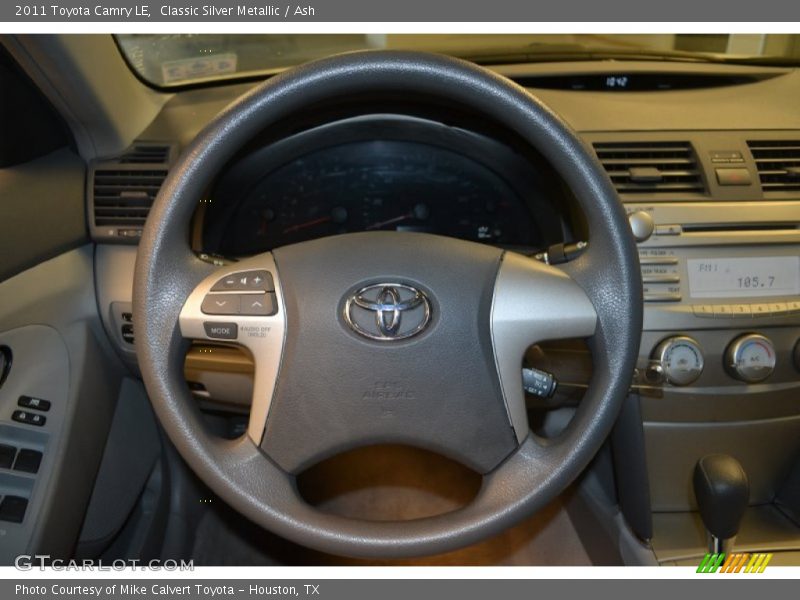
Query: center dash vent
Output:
(651,167)
(778,164)
(123,190)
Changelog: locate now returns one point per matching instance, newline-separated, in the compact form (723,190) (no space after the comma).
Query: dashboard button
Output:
(28,461)
(29,418)
(662,297)
(642,225)
(7,454)
(703,310)
(722,311)
(658,270)
(760,310)
(778,308)
(34,403)
(245,280)
(660,279)
(221,304)
(741,311)
(658,260)
(668,229)
(258,304)
(736,176)
(12,509)
(221,331)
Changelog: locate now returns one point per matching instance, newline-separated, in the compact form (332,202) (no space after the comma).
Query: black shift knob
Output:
(722,492)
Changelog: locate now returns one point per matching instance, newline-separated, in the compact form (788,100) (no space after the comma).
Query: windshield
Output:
(177,60)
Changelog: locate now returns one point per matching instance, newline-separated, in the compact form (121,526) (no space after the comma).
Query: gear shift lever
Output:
(722,492)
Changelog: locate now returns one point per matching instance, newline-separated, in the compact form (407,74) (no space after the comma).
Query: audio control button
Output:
(741,311)
(659,297)
(702,310)
(760,310)
(221,331)
(660,279)
(658,260)
(722,311)
(669,229)
(778,308)
(245,281)
(642,225)
(221,304)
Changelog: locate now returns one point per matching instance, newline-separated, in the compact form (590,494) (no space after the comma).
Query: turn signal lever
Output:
(723,493)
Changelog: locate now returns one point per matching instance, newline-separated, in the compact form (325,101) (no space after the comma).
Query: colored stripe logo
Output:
(734,563)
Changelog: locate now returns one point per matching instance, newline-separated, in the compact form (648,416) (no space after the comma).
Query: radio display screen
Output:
(744,277)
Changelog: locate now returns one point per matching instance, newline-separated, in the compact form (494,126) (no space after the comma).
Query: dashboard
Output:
(708,176)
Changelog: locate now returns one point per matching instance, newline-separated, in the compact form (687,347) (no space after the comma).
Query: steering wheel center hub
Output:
(390,306)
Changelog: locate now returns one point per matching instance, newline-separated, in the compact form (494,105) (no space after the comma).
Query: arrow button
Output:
(221,304)
(262,305)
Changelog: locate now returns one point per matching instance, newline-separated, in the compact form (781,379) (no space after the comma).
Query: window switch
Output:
(7,454)
(12,509)
(28,461)
(34,403)
(29,418)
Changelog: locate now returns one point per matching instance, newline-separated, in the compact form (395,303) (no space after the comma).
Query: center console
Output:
(717,223)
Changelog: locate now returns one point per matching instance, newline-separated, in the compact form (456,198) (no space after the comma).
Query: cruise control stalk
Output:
(539,383)
(561,253)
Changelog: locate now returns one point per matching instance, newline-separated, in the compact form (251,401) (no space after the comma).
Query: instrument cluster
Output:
(318,185)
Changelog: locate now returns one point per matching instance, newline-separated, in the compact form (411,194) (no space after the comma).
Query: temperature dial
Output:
(750,358)
(681,359)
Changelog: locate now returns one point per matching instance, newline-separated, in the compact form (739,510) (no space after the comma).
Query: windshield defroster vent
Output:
(123,191)
(778,164)
(651,167)
(146,154)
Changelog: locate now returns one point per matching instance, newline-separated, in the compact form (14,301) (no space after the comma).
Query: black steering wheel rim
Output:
(167,272)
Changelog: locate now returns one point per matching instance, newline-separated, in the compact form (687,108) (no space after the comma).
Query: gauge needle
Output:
(390,221)
(311,223)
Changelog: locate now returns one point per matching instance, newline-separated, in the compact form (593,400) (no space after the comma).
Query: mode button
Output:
(221,331)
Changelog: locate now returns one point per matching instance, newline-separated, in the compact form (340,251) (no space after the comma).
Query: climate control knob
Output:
(750,358)
(681,359)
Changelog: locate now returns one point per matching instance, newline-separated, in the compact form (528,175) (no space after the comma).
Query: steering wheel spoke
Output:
(242,303)
(532,302)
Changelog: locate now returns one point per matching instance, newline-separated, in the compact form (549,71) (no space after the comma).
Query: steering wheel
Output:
(387,337)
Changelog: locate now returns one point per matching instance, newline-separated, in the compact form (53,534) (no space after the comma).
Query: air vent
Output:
(651,167)
(123,190)
(145,154)
(778,164)
(123,198)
